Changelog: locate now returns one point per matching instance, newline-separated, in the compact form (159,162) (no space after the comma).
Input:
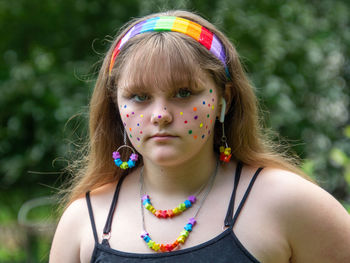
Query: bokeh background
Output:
(295,52)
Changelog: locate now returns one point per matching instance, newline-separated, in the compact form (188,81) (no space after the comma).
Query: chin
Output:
(167,158)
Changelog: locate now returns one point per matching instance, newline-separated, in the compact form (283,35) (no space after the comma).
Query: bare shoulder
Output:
(316,225)
(66,243)
(73,239)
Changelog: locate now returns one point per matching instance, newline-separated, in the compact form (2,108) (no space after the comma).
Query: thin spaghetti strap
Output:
(229,214)
(108,226)
(91,214)
(246,195)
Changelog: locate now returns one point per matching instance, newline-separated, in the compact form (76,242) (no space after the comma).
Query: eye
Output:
(140,98)
(183,93)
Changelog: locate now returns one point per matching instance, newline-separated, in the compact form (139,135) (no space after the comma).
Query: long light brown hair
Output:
(181,58)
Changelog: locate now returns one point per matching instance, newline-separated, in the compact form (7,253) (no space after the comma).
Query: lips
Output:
(163,136)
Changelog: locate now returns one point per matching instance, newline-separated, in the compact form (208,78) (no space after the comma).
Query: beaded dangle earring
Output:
(132,159)
(225,151)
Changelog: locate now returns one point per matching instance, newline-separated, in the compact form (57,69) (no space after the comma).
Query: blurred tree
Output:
(296,54)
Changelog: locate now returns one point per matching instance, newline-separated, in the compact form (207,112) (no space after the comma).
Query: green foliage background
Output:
(295,52)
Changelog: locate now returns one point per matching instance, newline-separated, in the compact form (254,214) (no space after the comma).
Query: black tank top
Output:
(223,248)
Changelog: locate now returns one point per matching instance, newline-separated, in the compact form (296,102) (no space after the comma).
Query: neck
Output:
(183,179)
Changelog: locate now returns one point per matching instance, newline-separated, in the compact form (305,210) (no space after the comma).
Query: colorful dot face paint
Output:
(190,119)
(133,122)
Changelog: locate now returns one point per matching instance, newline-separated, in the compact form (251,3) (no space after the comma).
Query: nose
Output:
(161,115)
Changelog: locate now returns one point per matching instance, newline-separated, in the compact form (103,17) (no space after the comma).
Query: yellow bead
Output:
(156,246)
(153,210)
(222,149)
(227,151)
(181,239)
(176,210)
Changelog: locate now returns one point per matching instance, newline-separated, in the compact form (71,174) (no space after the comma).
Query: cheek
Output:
(133,124)
(199,120)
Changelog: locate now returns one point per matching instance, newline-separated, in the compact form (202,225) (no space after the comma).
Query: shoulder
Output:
(66,243)
(314,222)
(73,238)
(294,193)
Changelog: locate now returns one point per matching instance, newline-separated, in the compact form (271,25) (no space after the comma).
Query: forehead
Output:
(162,60)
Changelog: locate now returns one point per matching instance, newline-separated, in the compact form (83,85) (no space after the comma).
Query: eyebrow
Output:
(134,88)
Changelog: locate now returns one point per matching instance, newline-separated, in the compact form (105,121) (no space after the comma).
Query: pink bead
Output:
(144,233)
(116,155)
(192,199)
(134,157)
(145,197)
(192,221)
(164,214)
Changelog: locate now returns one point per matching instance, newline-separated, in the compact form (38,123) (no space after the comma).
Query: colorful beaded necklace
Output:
(146,202)
(187,228)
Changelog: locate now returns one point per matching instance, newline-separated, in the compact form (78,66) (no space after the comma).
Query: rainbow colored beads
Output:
(225,154)
(169,247)
(146,202)
(125,165)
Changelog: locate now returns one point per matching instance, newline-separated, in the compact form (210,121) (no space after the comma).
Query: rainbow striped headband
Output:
(175,24)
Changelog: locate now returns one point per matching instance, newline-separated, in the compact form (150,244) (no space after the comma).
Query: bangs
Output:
(163,60)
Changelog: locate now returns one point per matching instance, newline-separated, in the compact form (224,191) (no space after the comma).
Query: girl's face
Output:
(171,125)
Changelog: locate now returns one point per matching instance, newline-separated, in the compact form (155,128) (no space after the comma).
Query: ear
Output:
(227,94)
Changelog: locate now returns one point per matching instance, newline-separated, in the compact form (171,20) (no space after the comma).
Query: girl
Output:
(178,169)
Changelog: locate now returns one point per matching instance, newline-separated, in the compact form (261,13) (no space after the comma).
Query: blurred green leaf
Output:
(308,167)
(347,131)
(339,157)
(296,54)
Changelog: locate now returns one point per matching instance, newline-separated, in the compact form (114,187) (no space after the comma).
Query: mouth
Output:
(163,136)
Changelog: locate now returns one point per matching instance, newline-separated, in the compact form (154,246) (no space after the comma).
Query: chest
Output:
(255,230)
